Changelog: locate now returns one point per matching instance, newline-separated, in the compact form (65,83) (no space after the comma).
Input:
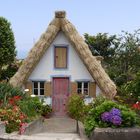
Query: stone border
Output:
(2,127)
(34,127)
(115,134)
(81,131)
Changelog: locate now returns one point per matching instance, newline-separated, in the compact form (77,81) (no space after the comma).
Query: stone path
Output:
(57,129)
(53,129)
(60,125)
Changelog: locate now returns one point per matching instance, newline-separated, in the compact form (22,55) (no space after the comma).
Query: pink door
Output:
(60,95)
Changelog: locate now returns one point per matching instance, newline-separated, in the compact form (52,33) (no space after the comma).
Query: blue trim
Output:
(61,46)
(82,80)
(38,80)
(60,76)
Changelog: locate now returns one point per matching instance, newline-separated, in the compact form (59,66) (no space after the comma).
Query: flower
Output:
(22,128)
(105,117)
(115,111)
(116,120)
(136,106)
(113,116)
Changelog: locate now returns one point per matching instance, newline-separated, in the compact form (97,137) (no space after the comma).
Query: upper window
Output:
(60,57)
(83,88)
(38,88)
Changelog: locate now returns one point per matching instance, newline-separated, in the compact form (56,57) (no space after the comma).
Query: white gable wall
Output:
(45,68)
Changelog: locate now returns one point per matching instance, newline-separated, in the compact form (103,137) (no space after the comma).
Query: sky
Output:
(30,18)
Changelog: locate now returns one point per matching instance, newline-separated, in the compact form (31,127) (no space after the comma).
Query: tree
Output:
(7,43)
(126,62)
(102,45)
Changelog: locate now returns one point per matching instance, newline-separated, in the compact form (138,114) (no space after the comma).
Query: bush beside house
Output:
(18,108)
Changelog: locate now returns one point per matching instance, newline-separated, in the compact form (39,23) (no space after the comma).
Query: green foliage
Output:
(9,71)
(7,43)
(7,91)
(93,119)
(102,45)
(75,106)
(46,109)
(125,63)
(31,106)
(98,101)
(121,54)
(132,88)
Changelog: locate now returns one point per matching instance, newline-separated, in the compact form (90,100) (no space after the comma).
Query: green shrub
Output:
(46,109)
(75,106)
(129,117)
(31,106)
(7,91)
(98,100)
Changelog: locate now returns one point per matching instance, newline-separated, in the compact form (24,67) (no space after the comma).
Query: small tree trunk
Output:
(77,127)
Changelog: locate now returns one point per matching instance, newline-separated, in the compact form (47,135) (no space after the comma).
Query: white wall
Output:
(45,69)
(98,91)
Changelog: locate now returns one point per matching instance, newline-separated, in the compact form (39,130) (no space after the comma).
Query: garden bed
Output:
(115,134)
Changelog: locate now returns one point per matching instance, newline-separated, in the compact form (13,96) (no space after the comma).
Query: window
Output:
(60,57)
(83,88)
(38,88)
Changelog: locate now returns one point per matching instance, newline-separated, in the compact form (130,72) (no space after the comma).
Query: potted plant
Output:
(46,111)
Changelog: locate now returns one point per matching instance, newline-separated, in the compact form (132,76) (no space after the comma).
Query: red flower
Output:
(14,100)
(136,106)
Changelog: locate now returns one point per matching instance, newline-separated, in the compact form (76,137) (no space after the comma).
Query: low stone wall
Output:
(2,128)
(116,134)
(81,131)
(34,127)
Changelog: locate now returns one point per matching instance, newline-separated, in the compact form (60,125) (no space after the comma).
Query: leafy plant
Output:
(46,109)
(128,118)
(31,106)
(7,91)
(75,106)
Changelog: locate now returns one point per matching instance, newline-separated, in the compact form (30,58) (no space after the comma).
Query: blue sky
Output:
(30,18)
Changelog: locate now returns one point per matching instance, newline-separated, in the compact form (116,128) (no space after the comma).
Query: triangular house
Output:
(61,63)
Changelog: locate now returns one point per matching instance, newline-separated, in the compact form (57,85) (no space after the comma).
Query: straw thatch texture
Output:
(94,67)
(35,54)
(92,64)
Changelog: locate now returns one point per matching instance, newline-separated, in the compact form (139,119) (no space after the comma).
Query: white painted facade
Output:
(76,69)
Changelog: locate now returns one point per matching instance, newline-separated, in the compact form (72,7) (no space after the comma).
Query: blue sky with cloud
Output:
(30,18)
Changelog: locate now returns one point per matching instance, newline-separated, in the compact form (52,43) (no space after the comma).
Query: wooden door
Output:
(60,95)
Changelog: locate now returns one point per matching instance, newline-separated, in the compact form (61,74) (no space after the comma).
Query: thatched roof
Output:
(60,23)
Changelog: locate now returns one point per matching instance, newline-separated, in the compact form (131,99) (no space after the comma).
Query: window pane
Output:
(85,91)
(79,91)
(79,84)
(41,84)
(35,91)
(35,84)
(85,84)
(41,91)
